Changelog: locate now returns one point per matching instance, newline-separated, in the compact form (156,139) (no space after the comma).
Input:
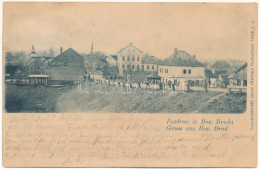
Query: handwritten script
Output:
(95,140)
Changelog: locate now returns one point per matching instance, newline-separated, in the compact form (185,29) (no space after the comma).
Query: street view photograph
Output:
(124,58)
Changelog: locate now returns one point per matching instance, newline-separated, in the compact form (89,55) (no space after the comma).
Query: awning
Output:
(38,76)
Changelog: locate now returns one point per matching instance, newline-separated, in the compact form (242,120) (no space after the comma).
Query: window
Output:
(123,66)
(147,67)
(133,58)
(143,67)
(165,71)
(133,66)
(189,71)
(244,82)
(239,82)
(192,83)
(138,67)
(184,71)
(197,82)
(128,66)
(123,58)
(153,67)
(138,58)
(162,70)
(128,58)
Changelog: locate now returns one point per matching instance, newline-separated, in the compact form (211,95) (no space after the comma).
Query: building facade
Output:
(150,63)
(182,69)
(68,67)
(36,64)
(239,77)
(112,60)
(129,59)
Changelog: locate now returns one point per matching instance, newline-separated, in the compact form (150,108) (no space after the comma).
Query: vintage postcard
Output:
(98,84)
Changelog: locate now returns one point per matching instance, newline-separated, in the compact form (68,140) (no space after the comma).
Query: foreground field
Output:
(191,102)
(69,99)
(26,98)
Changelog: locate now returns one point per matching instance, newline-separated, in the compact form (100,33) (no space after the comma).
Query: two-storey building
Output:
(129,59)
(181,69)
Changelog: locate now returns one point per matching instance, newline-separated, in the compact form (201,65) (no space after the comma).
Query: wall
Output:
(111,61)
(169,72)
(130,51)
(66,73)
(150,67)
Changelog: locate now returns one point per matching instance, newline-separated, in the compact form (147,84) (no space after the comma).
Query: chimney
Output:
(194,56)
(175,50)
(131,43)
(60,50)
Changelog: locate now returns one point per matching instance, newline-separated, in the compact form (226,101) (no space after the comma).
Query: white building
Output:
(129,59)
(150,63)
(239,78)
(112,60)
(182,69)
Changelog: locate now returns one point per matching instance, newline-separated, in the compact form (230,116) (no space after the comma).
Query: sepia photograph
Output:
(129,84)
(115,61)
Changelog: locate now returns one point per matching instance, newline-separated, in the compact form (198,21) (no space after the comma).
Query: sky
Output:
(208,30)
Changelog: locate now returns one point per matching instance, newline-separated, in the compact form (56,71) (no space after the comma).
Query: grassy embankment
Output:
(69,99)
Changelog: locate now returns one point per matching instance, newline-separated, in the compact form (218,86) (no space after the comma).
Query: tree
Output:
(16,58)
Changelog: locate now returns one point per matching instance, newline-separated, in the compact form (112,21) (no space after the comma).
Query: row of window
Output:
(128,58)
(177,83)
(185,71)
(242,83)
(137,67)
(167,71)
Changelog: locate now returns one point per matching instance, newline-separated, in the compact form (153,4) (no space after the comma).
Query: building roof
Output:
(115,57)
(153,76)
(34,59)
(129,45)
(221,65)
(48,57)
(68,56)
(182,58)
(150,60)
(241,73)
(103,60)
(241,68)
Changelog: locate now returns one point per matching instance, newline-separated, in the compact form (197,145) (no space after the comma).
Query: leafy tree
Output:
(16,58)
